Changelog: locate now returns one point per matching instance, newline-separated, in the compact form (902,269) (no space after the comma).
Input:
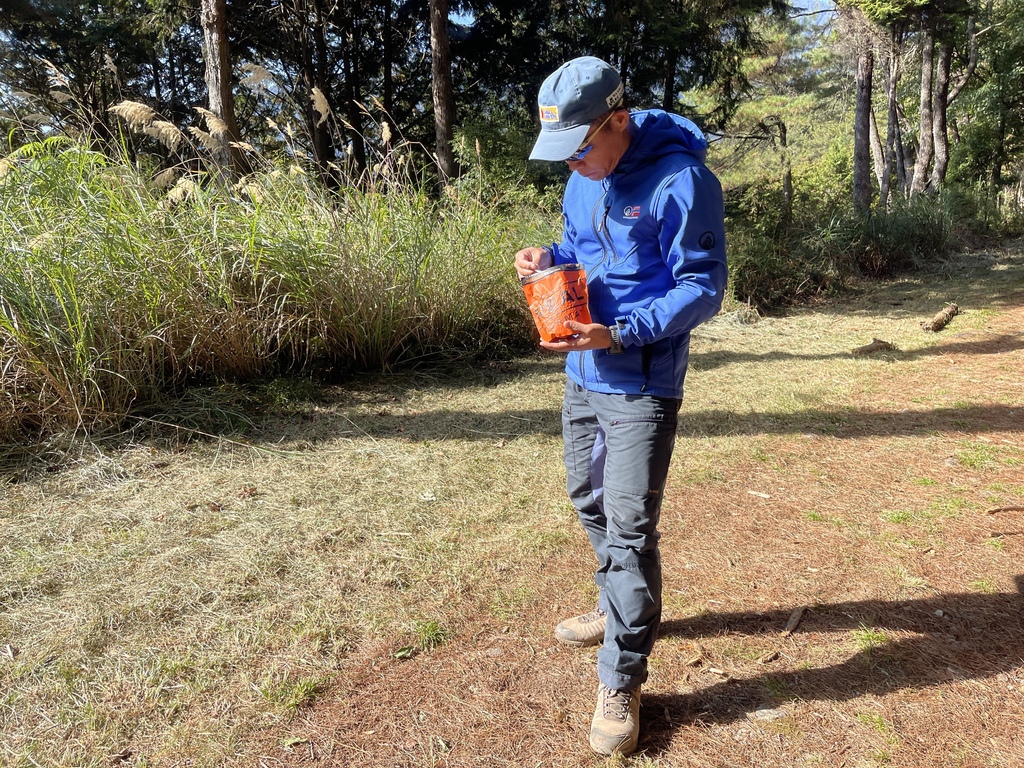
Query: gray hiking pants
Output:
(617,452)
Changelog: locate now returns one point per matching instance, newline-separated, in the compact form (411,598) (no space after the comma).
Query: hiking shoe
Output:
(616,725)
(580,631)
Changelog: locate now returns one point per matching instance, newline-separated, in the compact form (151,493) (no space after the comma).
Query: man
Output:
(644,216)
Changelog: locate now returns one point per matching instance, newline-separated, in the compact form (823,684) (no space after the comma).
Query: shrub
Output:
(116,291)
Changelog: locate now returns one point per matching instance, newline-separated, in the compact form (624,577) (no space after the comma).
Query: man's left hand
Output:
(587,336)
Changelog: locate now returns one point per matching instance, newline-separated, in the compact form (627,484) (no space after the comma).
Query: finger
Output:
(557,346)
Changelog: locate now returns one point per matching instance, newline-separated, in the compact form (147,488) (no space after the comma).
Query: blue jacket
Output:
(651,237)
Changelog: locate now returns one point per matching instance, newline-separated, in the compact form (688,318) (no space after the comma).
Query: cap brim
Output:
(558,145)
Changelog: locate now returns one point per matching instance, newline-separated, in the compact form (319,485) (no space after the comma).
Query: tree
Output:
(925,144)
(444,101)
(74,58)
(991,116)
(217,56)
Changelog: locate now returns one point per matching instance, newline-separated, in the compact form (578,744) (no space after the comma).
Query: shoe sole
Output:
(578,643)
(622,749)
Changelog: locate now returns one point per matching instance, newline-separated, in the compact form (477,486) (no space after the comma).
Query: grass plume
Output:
(117,289)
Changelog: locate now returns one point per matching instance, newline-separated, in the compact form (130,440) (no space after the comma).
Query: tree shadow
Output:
(849,423)
(990,345)
(349,414)
(956,637)
(319,427)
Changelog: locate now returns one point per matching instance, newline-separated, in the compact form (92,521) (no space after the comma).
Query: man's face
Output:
(604,147)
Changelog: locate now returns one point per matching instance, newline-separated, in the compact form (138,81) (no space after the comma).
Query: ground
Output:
(896,522)
(369,574)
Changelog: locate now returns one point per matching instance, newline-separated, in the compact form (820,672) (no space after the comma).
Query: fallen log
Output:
(941,320)
(876,345)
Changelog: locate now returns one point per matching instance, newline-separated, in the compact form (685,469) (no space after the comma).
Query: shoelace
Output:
(595,615)
(616,704)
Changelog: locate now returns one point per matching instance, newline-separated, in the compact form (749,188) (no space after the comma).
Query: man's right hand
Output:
(530,260)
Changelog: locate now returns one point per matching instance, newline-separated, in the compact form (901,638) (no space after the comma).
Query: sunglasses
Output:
(587,145)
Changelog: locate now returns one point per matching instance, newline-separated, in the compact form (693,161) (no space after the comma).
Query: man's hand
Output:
(530,260)
(587,336)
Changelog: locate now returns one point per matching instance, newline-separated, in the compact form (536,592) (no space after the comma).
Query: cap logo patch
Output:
(549,114)
(615,96)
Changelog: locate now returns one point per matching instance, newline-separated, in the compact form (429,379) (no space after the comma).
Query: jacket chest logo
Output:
(631,212)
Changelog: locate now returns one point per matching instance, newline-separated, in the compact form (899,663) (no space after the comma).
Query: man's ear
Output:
(620,119)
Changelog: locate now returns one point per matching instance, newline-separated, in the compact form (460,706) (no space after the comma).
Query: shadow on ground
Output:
(990,345)
(956,636)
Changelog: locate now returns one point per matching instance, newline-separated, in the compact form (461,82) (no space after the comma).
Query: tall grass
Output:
(776,261)
(114,291)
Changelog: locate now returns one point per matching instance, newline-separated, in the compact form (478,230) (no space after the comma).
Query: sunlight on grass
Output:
(997,543)
(292,694)
(905,579)
(985,586)
(884,728)
(431,634)
(976,456)
(868,638)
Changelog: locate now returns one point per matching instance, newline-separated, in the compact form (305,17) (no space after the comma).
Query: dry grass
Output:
(375,582)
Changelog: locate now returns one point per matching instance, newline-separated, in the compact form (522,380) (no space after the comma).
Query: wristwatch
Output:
(616,347)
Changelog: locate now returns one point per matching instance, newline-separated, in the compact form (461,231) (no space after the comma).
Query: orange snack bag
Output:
(555,295)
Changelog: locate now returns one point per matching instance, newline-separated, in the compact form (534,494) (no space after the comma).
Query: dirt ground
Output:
(842,540)
(909,647)
(895,538)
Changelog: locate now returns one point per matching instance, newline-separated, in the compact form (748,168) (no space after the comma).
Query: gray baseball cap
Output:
(570,99)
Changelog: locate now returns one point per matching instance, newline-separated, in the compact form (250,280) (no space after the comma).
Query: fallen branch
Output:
(794,621)
(876,345)
(997,510)
(941,320)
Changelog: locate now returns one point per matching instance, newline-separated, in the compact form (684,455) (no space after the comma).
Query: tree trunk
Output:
(862,129)
(323,137)
(353,115)
(972,60)
(940,136)
(892,132)
(903,157)
(668,98)
(877,151)
(444,100)
(174,109)
(787,178)
(388,64)
(995,177)
(925,149)
(217,59)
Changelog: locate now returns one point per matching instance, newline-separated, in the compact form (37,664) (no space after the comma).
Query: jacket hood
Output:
(657,133)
